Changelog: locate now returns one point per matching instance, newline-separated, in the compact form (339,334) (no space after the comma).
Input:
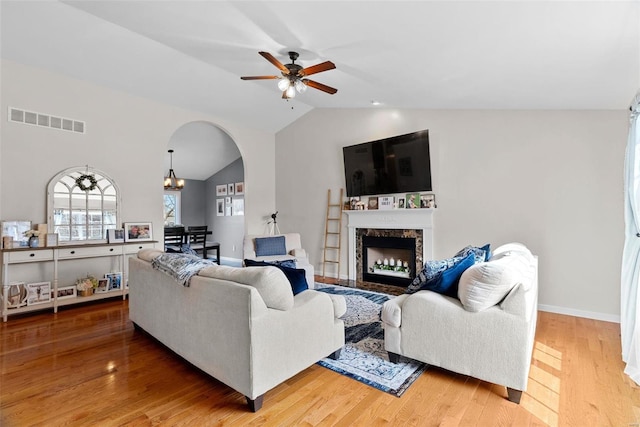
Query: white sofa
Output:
(294,252)
(242,326)
(462,335)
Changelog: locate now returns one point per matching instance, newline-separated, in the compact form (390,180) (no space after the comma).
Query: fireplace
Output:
(389,260)
(403,223)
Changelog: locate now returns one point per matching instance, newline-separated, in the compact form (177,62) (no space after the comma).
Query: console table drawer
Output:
(133,249)
(27,256)
(68,253)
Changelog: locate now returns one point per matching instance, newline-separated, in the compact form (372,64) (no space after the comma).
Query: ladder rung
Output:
(332,262)
(333,219)
(332,232)
(332,247)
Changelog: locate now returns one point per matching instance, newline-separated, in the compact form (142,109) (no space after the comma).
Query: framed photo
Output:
(220,207)
(114,281)
(52,239)
(401,203)
(227,210)
(227,200)
(15,230)
(238,206)
(353,202)
(428,200)
(66,292)
(115,235)
(16,294)
(231,189)
(386,203)
(239,188)
(413,201)
(373,203)
(137,231)
(221,190)
(103,285)
(38,293)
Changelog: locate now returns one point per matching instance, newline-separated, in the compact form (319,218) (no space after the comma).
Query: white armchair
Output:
(483,334)
(292,251)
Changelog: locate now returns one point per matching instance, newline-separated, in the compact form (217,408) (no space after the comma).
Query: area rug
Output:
(363,357)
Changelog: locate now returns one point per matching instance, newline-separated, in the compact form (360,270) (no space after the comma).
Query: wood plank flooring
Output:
(87,366)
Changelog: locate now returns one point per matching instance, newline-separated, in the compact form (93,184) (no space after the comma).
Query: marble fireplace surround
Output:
(393,219)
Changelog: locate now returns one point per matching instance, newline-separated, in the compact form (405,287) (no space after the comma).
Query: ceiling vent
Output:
(45,120)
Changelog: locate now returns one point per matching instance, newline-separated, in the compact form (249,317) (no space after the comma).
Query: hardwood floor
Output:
(86,366)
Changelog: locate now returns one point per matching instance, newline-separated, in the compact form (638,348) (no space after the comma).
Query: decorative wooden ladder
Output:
(332,235)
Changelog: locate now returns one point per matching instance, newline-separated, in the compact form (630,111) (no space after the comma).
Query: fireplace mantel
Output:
(404,219)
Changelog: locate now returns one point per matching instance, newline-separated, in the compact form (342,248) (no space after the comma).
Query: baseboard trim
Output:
(579,313)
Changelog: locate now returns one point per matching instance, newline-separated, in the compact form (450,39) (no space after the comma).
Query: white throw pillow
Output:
(486,284)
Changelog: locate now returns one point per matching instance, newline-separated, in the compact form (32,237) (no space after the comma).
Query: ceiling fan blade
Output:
(259,77)
(274,61)
(320,86)
(318,68)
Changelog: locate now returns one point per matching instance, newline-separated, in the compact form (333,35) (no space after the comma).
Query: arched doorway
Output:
(208,160)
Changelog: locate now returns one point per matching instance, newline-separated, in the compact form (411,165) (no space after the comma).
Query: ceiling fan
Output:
(293,76)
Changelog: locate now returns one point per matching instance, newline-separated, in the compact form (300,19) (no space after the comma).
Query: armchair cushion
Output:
(267,246)
(486,284)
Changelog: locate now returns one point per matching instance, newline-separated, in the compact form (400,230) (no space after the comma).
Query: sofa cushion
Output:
(149,254)
(296,277)
(442,276)
(266,246)
(271,283)
(486,284)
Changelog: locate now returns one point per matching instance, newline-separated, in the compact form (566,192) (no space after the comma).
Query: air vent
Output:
(45,120)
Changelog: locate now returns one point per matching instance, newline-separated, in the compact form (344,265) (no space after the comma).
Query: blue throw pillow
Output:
(447,282)
(296,276)
(442,276)
(268,246)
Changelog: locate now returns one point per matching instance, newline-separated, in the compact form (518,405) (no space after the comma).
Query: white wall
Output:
(549,179)
(126,137)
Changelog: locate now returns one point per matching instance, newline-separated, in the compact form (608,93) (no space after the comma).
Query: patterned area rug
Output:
(363,357)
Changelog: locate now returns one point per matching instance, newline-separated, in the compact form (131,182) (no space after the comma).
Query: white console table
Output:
(57,256)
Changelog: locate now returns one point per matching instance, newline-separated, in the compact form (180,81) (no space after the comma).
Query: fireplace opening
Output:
(389,260)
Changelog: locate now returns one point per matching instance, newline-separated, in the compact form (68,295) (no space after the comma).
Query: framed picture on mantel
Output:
(385,203)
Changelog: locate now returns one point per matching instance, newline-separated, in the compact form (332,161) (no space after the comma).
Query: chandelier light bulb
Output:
(284,84)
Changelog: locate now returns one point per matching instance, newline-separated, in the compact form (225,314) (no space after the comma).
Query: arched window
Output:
(82,204)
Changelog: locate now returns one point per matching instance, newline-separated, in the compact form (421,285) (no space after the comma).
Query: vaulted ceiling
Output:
(404,54)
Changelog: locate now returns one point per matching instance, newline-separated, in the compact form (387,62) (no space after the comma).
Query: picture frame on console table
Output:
(38,293)
(103,286)
(138,231)
(66,292)
(115,235)
(115,281)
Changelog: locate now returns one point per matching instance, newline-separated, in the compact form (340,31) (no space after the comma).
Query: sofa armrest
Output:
(392,311)
(298,253)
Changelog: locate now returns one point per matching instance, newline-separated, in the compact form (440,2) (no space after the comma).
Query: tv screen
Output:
(400,164)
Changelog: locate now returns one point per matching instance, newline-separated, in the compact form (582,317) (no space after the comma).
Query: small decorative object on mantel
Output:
(428,200)
(86,286)
(32,235)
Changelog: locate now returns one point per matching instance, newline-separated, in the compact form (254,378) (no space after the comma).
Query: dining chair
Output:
(174,238)
(199,243)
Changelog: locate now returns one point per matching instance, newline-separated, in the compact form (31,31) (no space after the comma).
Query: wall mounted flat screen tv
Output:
(399,164)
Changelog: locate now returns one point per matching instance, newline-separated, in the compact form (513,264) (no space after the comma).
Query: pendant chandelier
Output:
(170,181)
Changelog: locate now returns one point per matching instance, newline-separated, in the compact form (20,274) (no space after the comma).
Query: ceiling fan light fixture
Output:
(284,84)
(291,92)
(301,86)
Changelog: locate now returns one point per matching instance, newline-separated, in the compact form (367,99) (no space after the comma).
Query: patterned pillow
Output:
(267,246)
(432,269)
(481,253)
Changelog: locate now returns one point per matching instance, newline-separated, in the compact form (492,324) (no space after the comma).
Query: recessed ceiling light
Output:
(376,103)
